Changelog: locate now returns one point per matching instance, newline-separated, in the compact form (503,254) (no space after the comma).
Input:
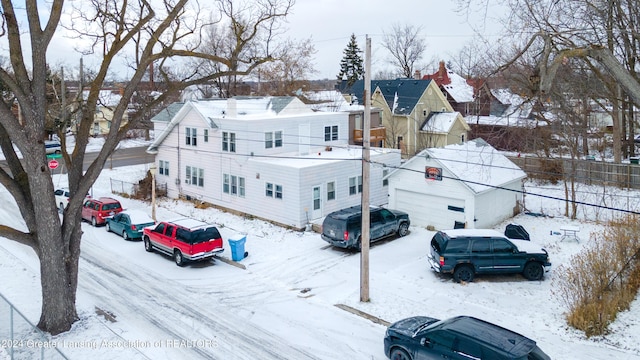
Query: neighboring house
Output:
(108,99)
(458,91)
(269,157)
(407,106)
(332,100)
(509,124)
(477,187)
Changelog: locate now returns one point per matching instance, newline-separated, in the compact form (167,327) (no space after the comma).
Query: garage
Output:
(463,185)
(430,210)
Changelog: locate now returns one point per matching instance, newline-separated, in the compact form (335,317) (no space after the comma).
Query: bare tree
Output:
(290,70)
(160,34)
(406,47)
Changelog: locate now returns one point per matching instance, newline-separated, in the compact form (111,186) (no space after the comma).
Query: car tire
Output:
(147,244)
(125,235)
(107,227)
(463,273)
(403,229)
(178,258)
(533,271)
(93,221)
(399,354)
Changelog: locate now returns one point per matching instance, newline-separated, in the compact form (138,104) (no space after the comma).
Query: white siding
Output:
(254,162)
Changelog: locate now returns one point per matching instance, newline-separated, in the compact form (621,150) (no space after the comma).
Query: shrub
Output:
(603,279)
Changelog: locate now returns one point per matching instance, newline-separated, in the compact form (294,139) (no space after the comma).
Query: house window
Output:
(268,140)
(355,185)
(385,182)
(241,186)
(206,135)
(228,141)
(194,176)
(272,139)
(278,138)
(272,190)
(331,190)
(461,138)
(163,167)
(424,113)
(191,136)
(233,185)
(331,133)
(225,183)
(455,208)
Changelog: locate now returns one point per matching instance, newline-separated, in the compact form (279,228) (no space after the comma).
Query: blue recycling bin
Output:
(237,248)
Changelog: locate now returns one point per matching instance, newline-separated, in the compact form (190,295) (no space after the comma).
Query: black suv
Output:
(461,337)
(342,228)
(466,252)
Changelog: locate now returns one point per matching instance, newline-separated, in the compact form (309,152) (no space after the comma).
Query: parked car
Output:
(343,228)
(467,252)
(461,337)
(98,210)
(184,239)
(52,147)
(62,197)
(129,223)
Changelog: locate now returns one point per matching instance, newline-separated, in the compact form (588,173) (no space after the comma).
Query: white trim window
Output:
(163,167)
(273,190)
(233,185)
(206,135)
(385,182)
(228,141)
(331,133)
(194,176)
(331,190)
(272,139)
(355,185)
(191,136)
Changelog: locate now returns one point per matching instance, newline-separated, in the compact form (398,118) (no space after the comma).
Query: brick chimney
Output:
(442,70)
(417,75)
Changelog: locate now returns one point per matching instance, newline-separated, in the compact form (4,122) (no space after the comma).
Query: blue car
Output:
(129,223)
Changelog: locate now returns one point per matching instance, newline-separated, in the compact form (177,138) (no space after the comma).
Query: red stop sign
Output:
(53,164)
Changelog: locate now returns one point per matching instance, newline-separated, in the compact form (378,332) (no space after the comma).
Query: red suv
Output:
(98,210)
(184,240)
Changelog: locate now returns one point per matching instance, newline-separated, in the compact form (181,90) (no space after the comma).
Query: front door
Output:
(316,202)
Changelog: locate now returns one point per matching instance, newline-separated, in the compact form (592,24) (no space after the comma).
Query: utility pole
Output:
(366,139)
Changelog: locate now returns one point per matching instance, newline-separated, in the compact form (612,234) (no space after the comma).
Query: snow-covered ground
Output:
(283,304)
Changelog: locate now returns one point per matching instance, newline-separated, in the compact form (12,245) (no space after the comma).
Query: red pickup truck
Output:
(183,239)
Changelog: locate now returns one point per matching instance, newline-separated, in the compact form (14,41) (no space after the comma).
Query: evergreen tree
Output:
(351,65)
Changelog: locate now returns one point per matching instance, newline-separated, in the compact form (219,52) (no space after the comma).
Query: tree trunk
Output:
(58,278)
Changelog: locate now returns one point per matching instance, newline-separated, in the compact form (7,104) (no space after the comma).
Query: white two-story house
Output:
(269,157)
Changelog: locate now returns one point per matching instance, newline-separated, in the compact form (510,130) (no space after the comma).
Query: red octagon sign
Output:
(53,164)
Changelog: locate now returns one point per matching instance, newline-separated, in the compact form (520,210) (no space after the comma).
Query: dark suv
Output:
(461,337)
(342,228)
(466,252)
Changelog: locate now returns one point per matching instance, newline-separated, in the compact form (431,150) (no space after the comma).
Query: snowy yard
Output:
(283,305)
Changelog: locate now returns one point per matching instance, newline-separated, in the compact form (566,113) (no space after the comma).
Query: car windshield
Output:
(197,236)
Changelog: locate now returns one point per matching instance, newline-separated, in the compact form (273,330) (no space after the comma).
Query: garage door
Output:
(439,211)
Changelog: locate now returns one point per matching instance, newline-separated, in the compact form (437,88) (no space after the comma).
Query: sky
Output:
(330,23)
(283,303)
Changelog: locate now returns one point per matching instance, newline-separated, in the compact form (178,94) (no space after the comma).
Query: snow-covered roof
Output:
(479,163)
(458,89)
(475,162)
(440,122)
(330,101)
(316,158)
(106,97)
(507,121)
